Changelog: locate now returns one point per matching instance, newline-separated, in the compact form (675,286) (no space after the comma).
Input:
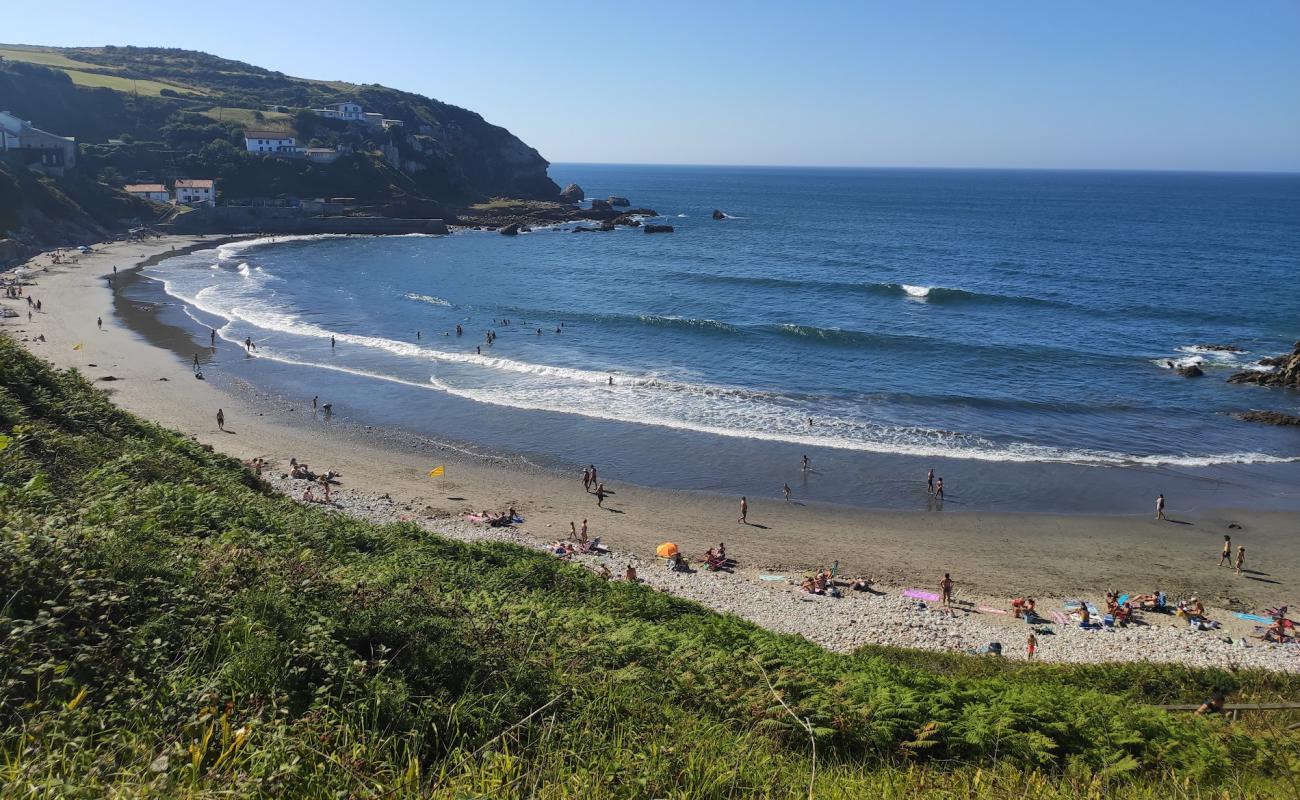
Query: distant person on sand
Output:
(582,532)
(586,480)
(945,590)
(785,490)
(314,401)
(744,510)
(212,336)
(331,342)
(1160,506)
(938,490)
(1031,644)
(592,467)
(929,481)
(805,463)
(221,420)
(630,574)
(1241,558)
(99,323)
(1225,557)
(573,531)
(600,495)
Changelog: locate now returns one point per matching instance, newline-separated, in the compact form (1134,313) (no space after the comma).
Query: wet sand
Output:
(992,556)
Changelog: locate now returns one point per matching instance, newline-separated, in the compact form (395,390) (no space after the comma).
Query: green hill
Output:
(173,628)
(179,113)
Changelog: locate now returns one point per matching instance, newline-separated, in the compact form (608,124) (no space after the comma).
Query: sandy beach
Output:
(991,556)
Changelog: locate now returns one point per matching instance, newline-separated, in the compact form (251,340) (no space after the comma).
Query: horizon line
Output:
(1170,170)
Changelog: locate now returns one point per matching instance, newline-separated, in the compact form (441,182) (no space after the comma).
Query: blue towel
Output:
(1252,617)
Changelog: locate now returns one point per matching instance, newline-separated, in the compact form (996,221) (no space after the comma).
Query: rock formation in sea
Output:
(717,214)
(1285,371)
(615,200)
(1190,371)
(572,193)
(658,229)
(601,205)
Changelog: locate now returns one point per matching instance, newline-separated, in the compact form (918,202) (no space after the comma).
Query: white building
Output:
(148,191)
(373,118)
(346,111)
(270,142)
(393,123)
(198,192)
(34,148)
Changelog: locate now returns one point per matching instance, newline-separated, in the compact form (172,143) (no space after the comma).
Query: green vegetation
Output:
(175,629)
(252,118)
(84,73)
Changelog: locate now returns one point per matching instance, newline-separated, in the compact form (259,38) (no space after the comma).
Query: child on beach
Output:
(945,590)
(1031,644)
(1160,506)
(1241,558)
(1226,555)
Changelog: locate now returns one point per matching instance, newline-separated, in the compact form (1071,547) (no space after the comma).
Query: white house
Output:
(346,111)
(373,118)
(198,192)
(271,142)
(148,191)
(393,123)
(34,148)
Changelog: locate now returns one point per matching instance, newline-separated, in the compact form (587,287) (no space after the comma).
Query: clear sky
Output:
(1154,84)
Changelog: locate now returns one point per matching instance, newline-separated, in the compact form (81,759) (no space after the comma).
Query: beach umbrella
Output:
(666,550)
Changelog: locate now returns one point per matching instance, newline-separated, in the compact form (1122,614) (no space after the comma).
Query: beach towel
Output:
(516,519)
(921,594)
(1252,617)
(1071,605)
(1058,618)
(1122,599)
(771,577)
(474,517)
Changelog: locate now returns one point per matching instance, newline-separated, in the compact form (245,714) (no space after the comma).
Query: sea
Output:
(1017,330)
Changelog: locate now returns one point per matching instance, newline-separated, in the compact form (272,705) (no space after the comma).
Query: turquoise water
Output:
(979,316)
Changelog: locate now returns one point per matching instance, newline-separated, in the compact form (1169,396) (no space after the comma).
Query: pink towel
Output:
(1059,618)
(921,594)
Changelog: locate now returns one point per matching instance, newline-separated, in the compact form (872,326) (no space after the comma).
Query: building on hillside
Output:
(270,142)
(322,155)
(22,143)
(197,192)
(373,119)
(148,191)
(346,111)
(393,123)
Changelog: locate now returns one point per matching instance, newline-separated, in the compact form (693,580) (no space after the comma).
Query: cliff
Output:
(1285,372)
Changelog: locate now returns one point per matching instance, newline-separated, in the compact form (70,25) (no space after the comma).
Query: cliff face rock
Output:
(1269,417)
(572,193)
(1286,371)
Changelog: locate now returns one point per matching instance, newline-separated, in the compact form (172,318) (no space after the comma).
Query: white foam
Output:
(916,291)
(427,298)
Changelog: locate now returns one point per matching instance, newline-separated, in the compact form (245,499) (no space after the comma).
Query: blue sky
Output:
(1157,84)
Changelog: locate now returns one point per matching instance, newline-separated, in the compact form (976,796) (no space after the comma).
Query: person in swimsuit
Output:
(1160,506)
(1031,644)
(929,481)
(221,420)
(1212,706)
(945,590)
(785,490)
(744,511)
(600,495)
(938,490)
(1241,558)
(1225,557)
(805,463)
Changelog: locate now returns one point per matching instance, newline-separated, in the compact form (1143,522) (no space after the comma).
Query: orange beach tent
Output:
(666,550)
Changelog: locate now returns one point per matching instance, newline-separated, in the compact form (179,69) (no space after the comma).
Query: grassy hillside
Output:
(185,101)
(174,629)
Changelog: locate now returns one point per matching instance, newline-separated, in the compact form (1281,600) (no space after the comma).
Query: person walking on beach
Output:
(945,591)
(196,362)
(1226,555)
(212,337)
(805,463)
(592,467)
(573,531)
(938,490)
(1160,506)
(744,510)
(314,400)
(586,480)
(221,420)
(785,490)
(1241,558)
(99,323)
(1031,645)
(929,481)
(600,495)
(582,532)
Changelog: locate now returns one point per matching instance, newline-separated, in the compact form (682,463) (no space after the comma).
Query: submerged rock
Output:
(1220,348)
(1269,417)
(572,193)
(717,214)
(615,200)
(658,229)
(601,205)
(509,230)
(1190,371)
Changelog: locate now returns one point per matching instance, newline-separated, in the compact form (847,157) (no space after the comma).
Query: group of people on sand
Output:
(591,485)
(503,519)
(820,582)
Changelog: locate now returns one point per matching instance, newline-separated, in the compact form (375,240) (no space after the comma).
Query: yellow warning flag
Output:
(77,346)
(437,472)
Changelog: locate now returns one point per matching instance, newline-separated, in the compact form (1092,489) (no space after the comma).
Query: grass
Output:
(271,120)
(176,629)
(81,74)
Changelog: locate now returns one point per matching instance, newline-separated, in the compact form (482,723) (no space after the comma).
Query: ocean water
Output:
(1017,317)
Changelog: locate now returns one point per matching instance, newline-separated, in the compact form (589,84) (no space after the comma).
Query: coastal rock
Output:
(628,220)
(1269,417)
(659,229)
(1220,348)
(640,212)
(607,226)
(615,200)
(509,230)
(601,205)
(1190,371)
(1285,372)
(717,214)
(572,193)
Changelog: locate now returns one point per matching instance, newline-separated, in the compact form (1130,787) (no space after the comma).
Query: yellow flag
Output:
(436,472)
(77,346)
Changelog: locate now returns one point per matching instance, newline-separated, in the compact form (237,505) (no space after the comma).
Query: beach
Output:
(992,556)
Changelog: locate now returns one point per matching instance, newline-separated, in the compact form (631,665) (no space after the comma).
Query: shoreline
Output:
(992,555)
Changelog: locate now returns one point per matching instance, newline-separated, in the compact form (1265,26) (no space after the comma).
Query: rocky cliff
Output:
(1285,371)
